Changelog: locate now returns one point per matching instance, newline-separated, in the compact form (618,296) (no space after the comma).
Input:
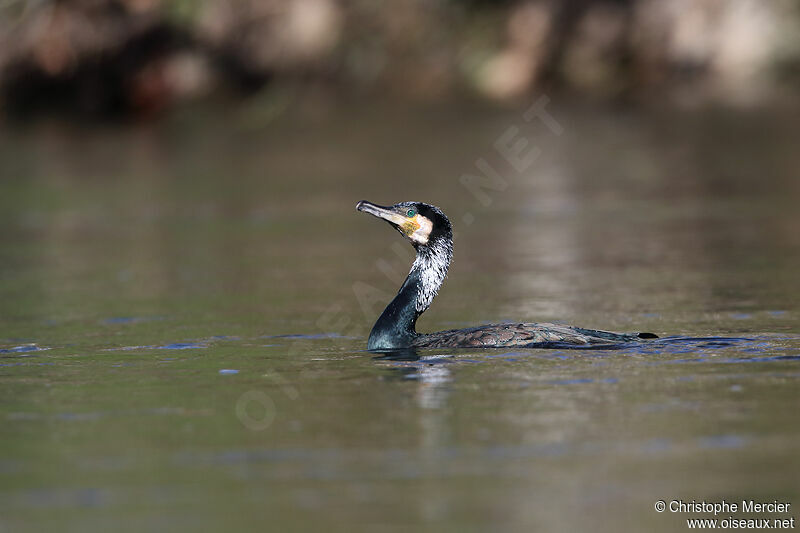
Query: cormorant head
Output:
(422,224)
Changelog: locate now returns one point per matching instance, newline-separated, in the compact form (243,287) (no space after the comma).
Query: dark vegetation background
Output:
(139,58)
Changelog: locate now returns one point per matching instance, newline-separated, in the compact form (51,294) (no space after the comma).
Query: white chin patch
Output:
(423,232)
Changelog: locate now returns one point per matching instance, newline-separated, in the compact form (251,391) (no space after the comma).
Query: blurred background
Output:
(140,58)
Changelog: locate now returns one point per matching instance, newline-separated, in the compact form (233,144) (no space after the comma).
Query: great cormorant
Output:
(430,233)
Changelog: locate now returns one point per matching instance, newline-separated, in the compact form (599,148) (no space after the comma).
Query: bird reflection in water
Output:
(430,371)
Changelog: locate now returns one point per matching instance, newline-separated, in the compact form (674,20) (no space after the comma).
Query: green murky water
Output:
(184,309)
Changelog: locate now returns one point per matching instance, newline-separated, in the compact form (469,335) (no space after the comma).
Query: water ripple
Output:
(23,349)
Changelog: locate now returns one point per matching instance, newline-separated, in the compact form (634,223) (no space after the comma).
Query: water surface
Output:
(184,310)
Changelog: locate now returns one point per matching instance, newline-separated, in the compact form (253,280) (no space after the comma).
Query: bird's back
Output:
(523,335)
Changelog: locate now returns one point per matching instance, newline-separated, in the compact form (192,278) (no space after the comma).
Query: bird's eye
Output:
(411,213)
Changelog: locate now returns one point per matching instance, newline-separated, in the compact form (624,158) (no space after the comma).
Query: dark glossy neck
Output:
(395,327)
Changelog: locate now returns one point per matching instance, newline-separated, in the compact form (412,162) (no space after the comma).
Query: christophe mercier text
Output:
(746,506)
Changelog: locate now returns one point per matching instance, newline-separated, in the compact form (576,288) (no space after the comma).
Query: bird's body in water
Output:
(430,232)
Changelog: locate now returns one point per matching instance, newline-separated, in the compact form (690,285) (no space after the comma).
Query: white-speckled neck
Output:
(432,263)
